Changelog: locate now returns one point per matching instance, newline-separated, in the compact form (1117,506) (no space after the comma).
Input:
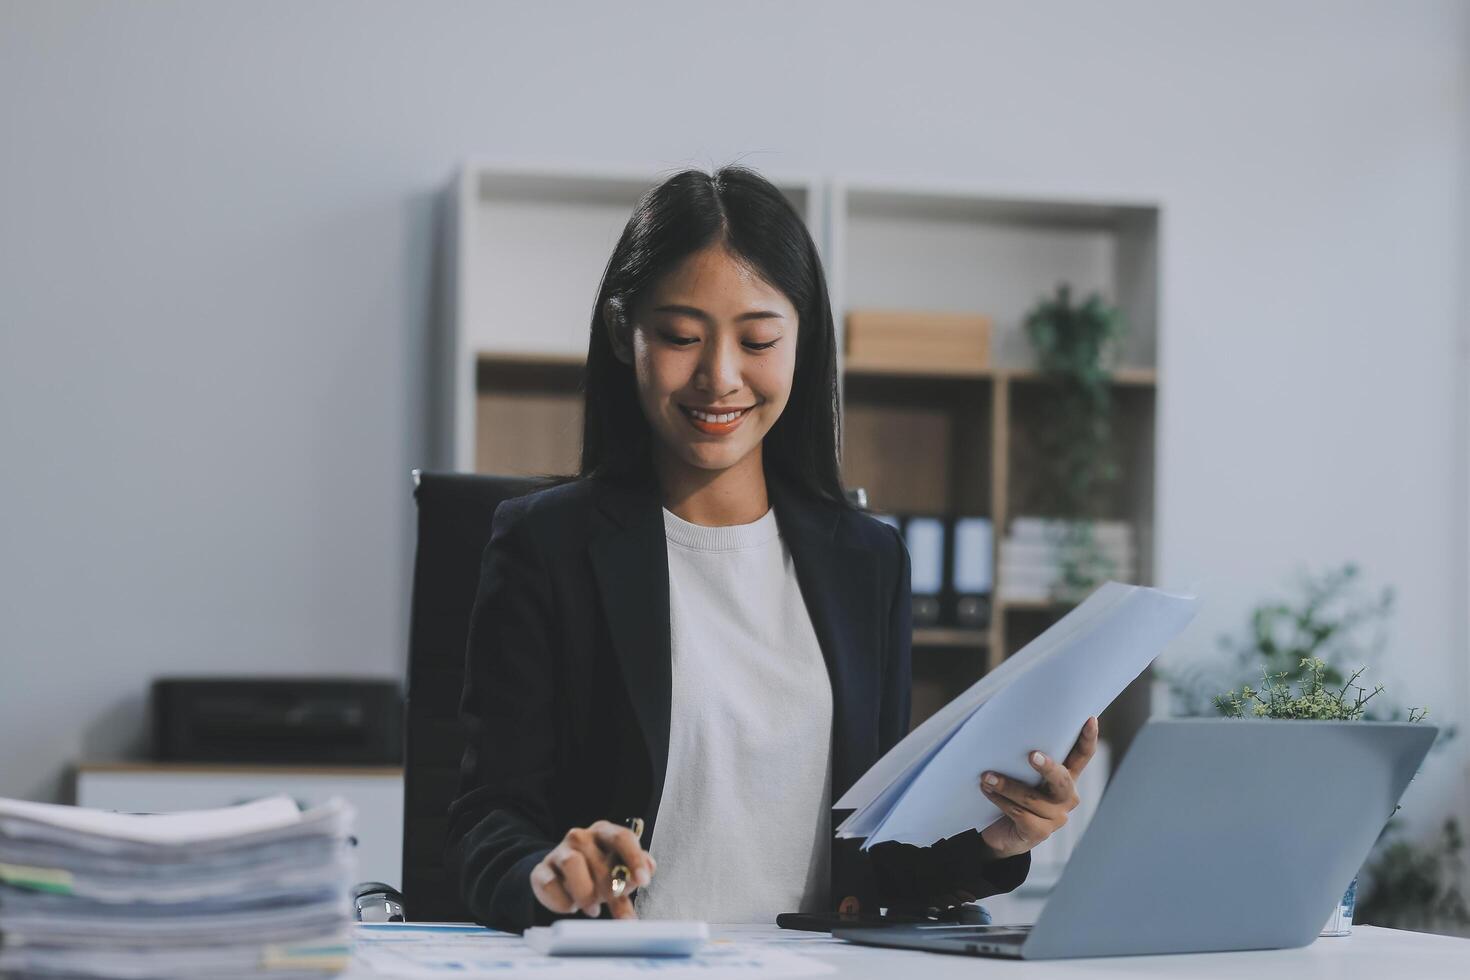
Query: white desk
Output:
(1369,954)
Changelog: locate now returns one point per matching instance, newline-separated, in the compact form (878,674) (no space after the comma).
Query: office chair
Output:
(454,512)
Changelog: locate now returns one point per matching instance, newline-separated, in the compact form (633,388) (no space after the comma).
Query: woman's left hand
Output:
(1032,814)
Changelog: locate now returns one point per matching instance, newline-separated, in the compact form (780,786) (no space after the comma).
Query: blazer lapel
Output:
(839,583)
(631,565)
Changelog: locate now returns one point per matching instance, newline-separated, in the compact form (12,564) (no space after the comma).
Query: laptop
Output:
(1214,834)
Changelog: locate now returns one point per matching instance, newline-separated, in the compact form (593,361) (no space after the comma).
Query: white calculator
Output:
(618,937)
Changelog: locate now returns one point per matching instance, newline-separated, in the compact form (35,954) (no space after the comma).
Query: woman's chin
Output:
(706,456)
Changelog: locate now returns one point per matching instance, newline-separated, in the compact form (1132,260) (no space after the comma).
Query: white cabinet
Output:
(376,792)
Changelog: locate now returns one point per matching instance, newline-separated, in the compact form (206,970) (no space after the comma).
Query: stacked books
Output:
(260,889)
(1033,554)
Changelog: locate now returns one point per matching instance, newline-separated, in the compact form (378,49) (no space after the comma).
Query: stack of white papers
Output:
(260,889)
(927,787)
(1034,553)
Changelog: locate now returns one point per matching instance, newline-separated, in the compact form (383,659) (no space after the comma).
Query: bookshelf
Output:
(938,440)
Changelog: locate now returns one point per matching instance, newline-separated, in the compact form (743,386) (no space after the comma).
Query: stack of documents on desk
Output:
(927,787)
(260,889)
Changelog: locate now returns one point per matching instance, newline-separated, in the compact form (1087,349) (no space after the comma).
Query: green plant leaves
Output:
(1074,343)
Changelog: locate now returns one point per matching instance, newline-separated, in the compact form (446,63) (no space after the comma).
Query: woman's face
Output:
(714,349)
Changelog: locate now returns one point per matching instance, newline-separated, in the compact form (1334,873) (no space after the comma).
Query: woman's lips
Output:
(708,426)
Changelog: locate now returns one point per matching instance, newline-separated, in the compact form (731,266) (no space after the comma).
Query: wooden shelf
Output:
(1133,377)
(858,367)
(513,359)
(940,636)
(1034,605)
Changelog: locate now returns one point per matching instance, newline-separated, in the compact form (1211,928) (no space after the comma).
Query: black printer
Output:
(278,719)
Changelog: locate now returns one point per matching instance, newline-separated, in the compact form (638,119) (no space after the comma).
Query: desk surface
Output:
(1369,953)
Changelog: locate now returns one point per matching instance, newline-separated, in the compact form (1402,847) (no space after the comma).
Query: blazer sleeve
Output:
(501,826)
(911,877)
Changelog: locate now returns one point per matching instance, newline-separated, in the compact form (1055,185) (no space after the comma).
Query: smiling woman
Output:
(713,380)
(699,629)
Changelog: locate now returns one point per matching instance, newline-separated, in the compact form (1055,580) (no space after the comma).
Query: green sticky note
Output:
(58,880)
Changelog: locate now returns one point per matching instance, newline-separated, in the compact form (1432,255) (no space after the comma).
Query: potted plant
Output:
(1317,697)
(1335,617)
(1076,345)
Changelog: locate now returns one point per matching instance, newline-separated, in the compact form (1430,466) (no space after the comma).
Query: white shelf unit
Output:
(528,246)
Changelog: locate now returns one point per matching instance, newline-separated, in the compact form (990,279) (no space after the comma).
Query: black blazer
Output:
(568,680)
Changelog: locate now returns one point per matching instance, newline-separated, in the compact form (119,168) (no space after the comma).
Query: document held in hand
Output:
(927,787)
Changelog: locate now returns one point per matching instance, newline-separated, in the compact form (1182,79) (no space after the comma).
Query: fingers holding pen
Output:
(630,866)
(622,844)
(593,866)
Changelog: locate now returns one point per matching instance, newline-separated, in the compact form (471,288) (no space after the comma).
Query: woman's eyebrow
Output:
(699,314)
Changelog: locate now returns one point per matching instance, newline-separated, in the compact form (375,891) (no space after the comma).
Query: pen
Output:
(619,873)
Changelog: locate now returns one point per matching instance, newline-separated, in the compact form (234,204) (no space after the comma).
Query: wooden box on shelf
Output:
(917,340)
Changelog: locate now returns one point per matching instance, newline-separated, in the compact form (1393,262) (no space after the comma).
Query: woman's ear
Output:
(619,331)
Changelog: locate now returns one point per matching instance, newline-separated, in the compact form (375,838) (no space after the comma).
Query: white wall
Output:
(215,262)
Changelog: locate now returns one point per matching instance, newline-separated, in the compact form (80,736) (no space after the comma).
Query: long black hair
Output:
(741,210)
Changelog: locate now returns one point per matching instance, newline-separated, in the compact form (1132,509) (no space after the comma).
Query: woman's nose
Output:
(719,369)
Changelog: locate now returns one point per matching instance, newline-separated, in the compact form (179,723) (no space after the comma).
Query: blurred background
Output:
(1168,292)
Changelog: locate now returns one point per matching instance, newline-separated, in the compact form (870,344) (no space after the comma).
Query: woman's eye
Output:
(766,346)
(678,341)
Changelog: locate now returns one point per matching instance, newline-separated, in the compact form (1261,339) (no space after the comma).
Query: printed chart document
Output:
(927,787)
(425,951)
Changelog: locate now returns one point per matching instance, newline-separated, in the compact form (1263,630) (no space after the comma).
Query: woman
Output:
(700,630)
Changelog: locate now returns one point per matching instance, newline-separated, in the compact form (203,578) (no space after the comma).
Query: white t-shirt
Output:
(743,826)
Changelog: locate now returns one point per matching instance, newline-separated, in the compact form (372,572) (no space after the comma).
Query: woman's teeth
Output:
(707,417)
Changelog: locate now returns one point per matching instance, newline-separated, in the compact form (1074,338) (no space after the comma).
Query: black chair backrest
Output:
(454,512)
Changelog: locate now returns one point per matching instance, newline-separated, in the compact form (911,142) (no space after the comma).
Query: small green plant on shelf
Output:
(1076,345)
(1314,698)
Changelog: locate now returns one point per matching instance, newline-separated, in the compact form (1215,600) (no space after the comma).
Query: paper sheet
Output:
(183,827)
(938,727)
(428,952)
(203,893)
(1073,670)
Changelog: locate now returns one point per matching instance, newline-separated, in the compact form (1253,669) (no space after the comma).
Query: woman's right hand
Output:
(577,874)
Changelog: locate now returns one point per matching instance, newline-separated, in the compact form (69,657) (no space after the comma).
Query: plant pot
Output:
(1340,922)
